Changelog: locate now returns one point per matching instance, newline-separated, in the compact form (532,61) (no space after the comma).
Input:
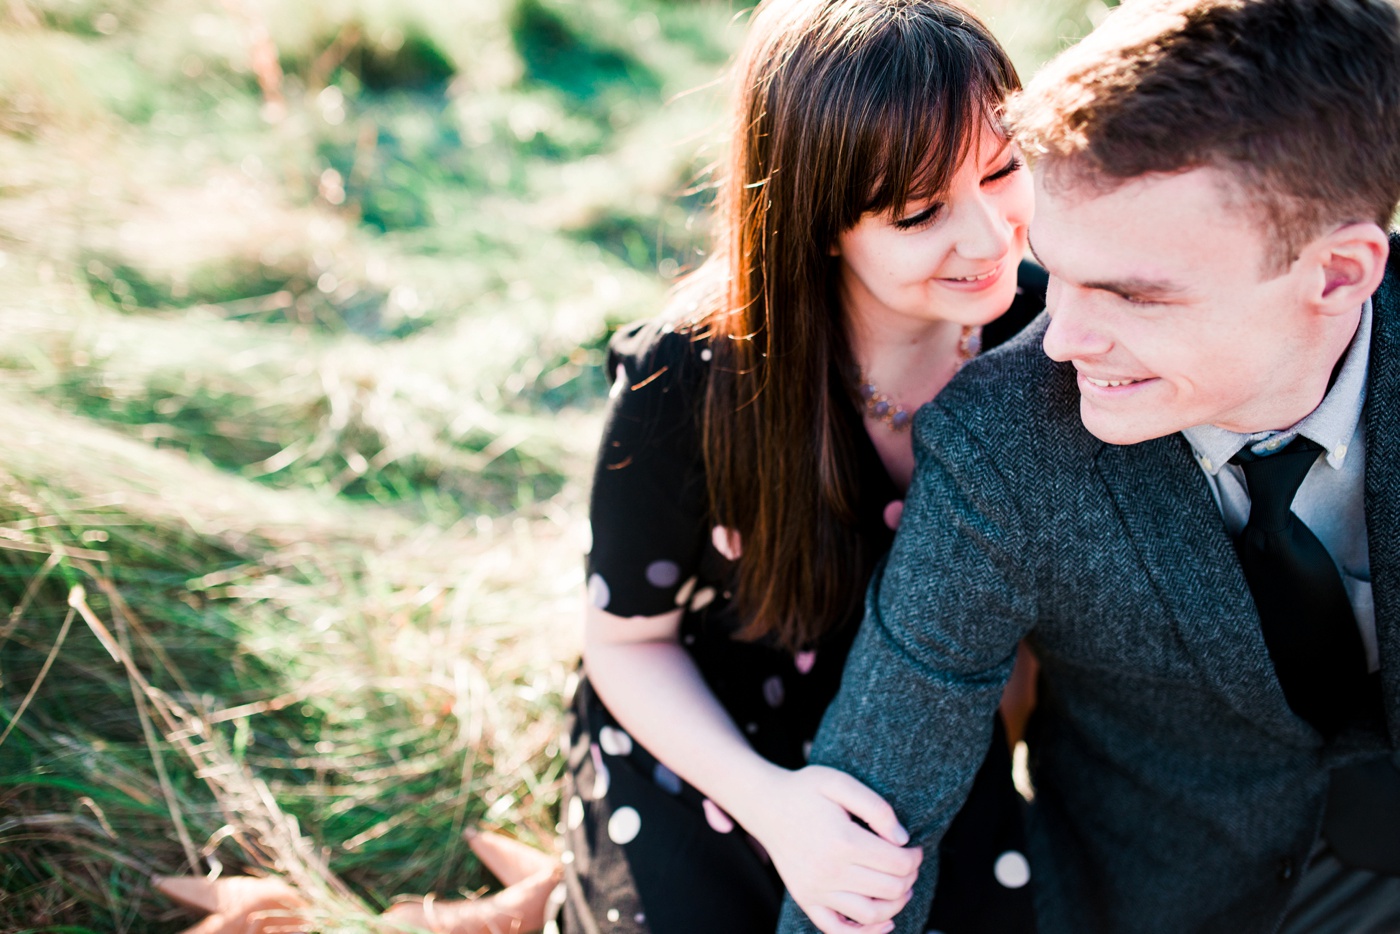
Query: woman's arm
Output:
(832,866)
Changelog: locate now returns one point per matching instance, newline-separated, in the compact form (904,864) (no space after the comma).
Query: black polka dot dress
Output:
(645,851)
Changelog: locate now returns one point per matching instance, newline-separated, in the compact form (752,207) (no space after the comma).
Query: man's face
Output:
(1161,298)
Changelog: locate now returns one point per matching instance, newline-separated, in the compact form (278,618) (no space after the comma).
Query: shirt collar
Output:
(1332,424)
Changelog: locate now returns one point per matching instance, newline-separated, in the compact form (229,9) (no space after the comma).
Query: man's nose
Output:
(1074,332)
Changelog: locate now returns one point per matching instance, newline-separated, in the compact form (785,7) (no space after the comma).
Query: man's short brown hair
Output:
(1297,100)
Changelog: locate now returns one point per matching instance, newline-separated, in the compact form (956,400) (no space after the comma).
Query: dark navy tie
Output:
(1311,633)
(1306,618)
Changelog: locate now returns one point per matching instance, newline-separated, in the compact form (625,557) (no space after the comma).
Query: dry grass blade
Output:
(39,678)
(253,818)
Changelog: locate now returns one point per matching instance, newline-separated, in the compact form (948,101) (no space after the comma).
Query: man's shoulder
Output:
(1015,403)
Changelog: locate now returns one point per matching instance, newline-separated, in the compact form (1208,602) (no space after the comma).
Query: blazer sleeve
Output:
(913,717)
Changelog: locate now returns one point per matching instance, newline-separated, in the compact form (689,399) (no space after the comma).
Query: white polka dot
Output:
(773,691)
(751,728)
(1012,870)
(575,812)
(602,781)
(688,638)
(803,661)
(686,589)
(598,593)
(894,511)
(707,355)
(663,573)
(703,598)
(614,741)
(666,780)
(566,857)
(614,915)
(602,778)
(716,818)
(807,751)
(641,918)
(726,542)
(624,825)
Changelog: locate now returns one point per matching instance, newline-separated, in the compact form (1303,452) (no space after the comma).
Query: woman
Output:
(870,223)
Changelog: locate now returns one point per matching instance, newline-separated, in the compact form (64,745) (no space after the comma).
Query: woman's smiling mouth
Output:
(986,275)
(981,280)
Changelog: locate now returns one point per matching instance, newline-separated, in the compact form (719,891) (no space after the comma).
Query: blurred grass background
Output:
(302,314)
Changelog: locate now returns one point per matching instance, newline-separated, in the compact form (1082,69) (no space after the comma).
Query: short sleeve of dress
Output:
(648,507)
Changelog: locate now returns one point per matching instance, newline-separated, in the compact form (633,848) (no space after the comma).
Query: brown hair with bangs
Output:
(841,108)
(1298,101)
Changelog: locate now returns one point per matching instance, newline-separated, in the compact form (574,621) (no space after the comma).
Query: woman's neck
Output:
(910,361)
(907,363)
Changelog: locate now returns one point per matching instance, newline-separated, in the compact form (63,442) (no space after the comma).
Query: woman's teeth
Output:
(985,275)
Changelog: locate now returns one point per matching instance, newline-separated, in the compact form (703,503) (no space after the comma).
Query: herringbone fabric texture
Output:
(1176,789)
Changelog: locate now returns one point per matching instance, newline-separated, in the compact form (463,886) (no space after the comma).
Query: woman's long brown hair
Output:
(841,107)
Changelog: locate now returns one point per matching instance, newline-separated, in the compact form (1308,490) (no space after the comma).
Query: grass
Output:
(304,314)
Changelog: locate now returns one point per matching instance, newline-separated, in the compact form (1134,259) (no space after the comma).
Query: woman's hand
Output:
(849,880)
(835,868)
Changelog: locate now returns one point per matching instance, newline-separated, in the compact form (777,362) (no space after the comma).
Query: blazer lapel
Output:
(1180,538)
(1383,481)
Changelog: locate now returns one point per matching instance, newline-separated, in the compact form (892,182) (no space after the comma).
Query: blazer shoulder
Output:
(1018,404)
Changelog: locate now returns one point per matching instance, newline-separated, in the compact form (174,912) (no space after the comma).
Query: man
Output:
(1218,631)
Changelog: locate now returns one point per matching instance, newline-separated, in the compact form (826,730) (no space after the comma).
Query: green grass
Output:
(304,308)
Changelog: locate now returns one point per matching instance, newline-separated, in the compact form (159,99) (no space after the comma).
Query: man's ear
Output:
(1349,264)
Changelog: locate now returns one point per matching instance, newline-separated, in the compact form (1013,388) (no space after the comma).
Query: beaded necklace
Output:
(881,408)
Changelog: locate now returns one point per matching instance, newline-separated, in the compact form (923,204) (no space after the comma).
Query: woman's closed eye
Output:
(1006,171)
(921,219)
(930,213)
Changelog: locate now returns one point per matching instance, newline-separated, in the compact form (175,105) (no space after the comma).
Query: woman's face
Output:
(948,258)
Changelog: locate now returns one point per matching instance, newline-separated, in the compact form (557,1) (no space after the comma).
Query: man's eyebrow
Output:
(1137,288)
(1134,287)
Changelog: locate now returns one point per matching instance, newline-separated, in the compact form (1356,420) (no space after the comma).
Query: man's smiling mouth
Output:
(1108,383)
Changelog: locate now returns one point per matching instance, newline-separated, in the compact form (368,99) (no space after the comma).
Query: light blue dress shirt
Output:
(1332,499)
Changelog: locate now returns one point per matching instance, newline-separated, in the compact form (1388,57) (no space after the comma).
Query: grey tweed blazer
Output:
(1176,790)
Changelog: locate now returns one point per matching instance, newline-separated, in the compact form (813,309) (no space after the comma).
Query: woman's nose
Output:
(986,232)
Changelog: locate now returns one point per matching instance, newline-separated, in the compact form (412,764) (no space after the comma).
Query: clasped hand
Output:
(849,880)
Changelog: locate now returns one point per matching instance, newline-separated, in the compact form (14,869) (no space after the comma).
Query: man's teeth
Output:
(1112,382)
